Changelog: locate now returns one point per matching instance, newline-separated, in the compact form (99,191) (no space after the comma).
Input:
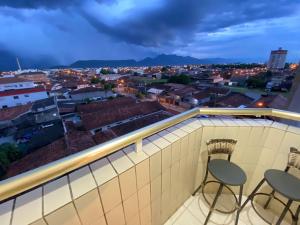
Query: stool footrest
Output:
(236,206)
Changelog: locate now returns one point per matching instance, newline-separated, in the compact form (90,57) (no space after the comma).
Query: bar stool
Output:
(283,183)
(225,173)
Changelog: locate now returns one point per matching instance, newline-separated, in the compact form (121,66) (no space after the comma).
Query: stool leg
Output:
(296,218)
(269,199)
(203,182)
(253,192)
(214,203)
(284,212)
(239,205)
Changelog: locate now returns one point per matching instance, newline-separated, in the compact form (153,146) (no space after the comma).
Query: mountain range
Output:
(160,60)
(8,62)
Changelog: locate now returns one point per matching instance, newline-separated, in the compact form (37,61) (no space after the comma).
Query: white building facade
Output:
(13,83)
(13,98)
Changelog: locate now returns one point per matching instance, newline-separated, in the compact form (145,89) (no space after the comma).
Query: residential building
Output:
(90,93)
(37,77)
(10,98)
(14,83)
(277,59)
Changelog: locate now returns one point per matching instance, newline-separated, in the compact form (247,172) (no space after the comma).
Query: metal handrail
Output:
(33,178)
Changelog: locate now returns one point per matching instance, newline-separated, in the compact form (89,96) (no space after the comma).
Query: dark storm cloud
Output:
(182,18)
(68,30)
(33,4)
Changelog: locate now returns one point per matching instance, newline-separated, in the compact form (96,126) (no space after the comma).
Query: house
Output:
(271,101)
(90,93)
(218,91)
(14,83)
(235,100)
(37,77)
(202,97)
(10,98)
(103,119)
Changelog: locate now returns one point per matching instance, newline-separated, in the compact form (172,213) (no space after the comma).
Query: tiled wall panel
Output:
(146,188)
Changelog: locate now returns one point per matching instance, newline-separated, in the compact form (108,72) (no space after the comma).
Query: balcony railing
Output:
(15,186)
(23,182)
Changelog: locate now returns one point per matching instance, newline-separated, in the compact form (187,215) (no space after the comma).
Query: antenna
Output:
(19,64)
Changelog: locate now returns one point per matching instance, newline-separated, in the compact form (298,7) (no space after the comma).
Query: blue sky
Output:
(63,31)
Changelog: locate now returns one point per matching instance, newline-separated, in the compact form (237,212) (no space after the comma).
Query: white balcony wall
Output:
(147,187)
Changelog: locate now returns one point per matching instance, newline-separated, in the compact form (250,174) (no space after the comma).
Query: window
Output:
(16,97)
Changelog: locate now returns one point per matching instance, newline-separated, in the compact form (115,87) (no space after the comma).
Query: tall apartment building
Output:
(277,59)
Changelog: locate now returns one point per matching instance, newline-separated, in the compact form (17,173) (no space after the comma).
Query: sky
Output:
(63,31)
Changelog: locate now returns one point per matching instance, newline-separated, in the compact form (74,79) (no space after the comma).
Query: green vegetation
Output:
(151,80)
(180,79)
(8,154)
(95,80)
(237,66)
(260,80)
(104,72)
(140,95)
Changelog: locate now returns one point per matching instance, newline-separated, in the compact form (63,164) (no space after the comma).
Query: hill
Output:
(160,60)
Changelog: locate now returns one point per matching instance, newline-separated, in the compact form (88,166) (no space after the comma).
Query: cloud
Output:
(180,19)
(68,30)
(34,4)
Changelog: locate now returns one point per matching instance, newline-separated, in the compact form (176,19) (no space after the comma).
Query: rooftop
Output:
(103,105)
(13,112)
(9,80)
(107,116)
(22,91)
(85,90)
(235,99)
(141,177)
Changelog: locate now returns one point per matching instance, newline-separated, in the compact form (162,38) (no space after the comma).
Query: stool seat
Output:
(227,172)
(284,183)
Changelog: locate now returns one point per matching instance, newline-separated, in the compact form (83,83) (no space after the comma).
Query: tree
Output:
(164,69)
(107,87)
(256,82)
(268,74)
(140,95)
(95,80)
(8,154)
(103,71)
(180,79)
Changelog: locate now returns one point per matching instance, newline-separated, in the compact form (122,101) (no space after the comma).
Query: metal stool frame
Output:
(220,146)
(293,162)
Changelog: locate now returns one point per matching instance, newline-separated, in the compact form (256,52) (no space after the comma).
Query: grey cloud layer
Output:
(171,24)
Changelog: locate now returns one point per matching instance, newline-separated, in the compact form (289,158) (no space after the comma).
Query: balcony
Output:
(147,176)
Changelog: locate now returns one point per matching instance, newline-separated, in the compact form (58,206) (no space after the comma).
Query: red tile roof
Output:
(201,95)
(42,156)
(98,119)
(22,91)
(13,112)
(109,104)
(79,140)
(103,136)
(139,123)
(218,90)
(184,91)
(271,101)
(85,90)
(9,80)
(235,100)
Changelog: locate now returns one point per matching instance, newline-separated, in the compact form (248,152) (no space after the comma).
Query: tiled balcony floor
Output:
(195,209)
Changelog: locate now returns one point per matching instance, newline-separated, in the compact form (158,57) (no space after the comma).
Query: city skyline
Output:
(62,32)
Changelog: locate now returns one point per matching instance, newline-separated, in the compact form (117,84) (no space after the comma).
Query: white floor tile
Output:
(194,212)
